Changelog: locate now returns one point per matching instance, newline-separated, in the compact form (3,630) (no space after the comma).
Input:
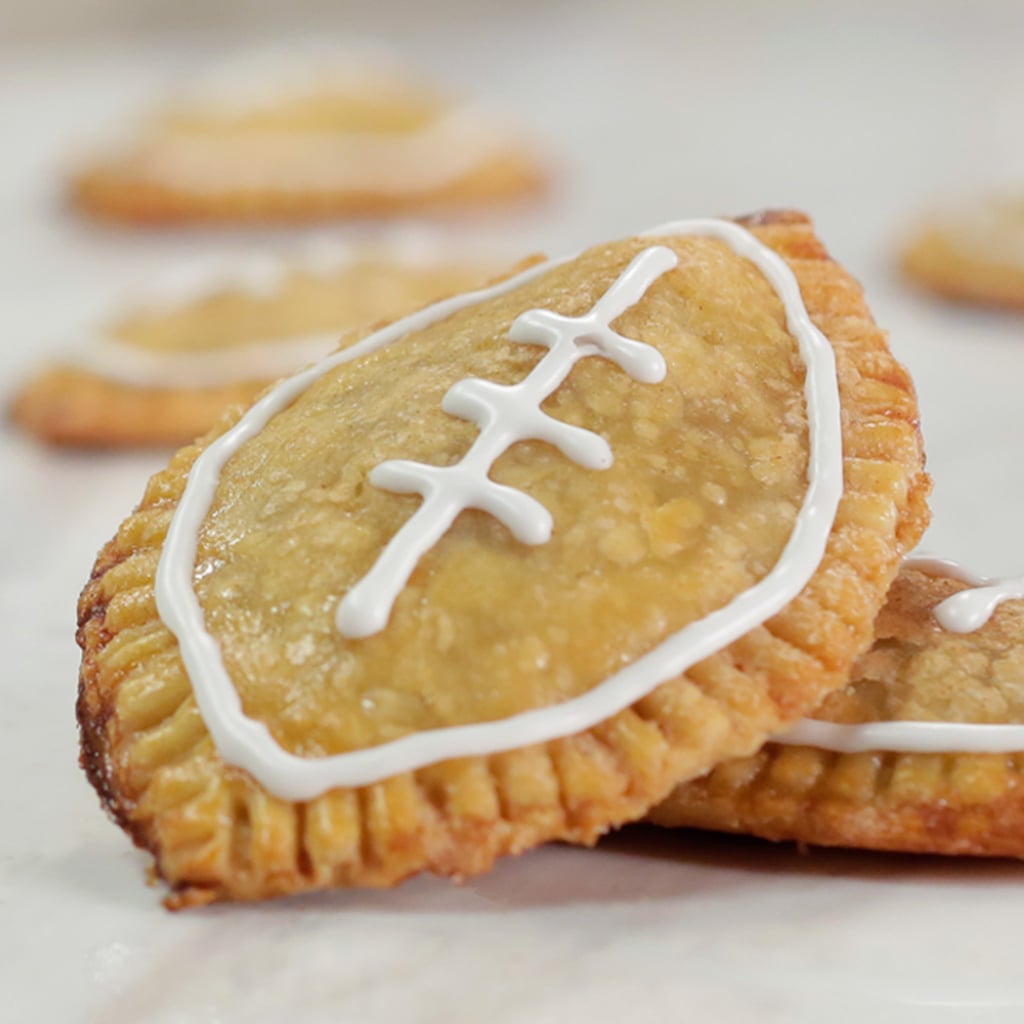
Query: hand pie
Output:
(973,252)
(928,751)
(216,335)
(306,136)
(505,571)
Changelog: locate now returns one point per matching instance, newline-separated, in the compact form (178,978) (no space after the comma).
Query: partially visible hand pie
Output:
(162,372)
(305,136)
(899,771)
(973,252)
(505,571)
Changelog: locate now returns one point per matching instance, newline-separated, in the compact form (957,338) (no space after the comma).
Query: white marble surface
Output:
(657,111)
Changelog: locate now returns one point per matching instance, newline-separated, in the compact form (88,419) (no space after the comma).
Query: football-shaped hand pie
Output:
(505,571)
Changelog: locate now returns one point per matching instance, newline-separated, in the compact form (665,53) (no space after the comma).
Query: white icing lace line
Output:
(905,737)
(963,612)
(967,610)
(248,744)
(506,415)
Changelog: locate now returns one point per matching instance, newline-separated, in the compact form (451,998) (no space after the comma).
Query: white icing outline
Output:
(971,609)
(967,610)
(248,744)
(910,737)
(506,415)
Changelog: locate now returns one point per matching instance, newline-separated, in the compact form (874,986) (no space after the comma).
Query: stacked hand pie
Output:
(539,560)
(921,752)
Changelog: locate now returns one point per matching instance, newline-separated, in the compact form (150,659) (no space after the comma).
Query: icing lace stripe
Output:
(506,415)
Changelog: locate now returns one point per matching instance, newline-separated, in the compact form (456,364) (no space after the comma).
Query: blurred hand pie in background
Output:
(308,134)
(972,251)
(218,330)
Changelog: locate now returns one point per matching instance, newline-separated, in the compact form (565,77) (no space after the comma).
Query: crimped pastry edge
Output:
(942,823)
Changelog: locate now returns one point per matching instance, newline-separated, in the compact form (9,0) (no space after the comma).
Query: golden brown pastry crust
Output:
(217,835)
(922,803)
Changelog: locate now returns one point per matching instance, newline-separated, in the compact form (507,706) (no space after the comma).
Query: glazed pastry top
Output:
(710,469)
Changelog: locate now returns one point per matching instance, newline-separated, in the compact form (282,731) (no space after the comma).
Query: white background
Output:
(862,116)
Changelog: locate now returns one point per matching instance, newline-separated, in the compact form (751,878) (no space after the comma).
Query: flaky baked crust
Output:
(922,803)
(215,834)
